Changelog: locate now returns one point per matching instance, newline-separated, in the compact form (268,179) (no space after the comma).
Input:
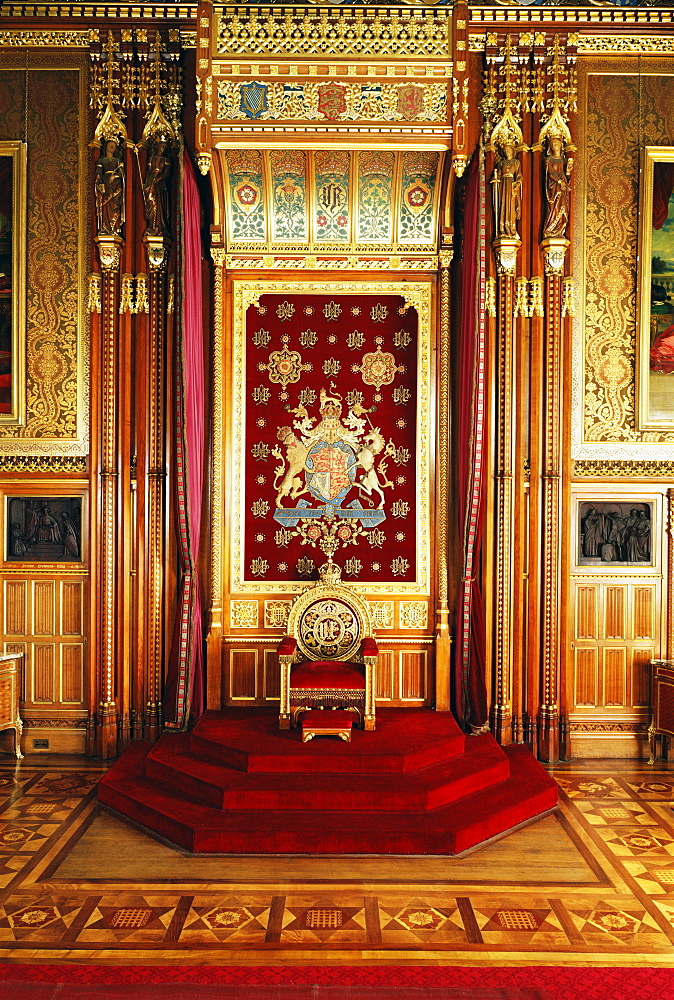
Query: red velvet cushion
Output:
(327,674)
(369,647)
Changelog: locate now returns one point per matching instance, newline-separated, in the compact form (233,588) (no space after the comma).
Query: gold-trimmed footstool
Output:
(327,723)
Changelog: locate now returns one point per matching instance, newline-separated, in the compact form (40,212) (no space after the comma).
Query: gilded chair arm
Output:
(286,654)
(368,648)
(287,647)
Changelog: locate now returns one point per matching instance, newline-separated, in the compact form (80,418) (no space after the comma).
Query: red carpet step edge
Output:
(561,982)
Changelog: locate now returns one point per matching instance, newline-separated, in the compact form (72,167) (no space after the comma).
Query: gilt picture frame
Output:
(12,281)
(655,339)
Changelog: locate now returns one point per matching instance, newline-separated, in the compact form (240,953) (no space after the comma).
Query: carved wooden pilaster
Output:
(107,722)
(442,634)
(505,250)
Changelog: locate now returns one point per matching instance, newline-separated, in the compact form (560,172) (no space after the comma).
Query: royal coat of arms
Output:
(329,459)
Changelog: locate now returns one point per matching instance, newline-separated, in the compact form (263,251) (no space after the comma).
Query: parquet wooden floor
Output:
(591,885)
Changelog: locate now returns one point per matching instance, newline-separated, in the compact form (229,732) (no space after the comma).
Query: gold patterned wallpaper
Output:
(623,112)
(52,117)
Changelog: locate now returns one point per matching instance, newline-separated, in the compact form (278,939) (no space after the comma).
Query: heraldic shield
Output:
(331,470)
(328,658)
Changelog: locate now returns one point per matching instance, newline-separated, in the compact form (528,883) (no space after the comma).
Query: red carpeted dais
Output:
(416,785)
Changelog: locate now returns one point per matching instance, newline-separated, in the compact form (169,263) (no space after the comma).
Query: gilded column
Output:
(555,142)
(156,249)
(106,730)
(505,249)
(110,200)
(442,635)
(159,139)
(213,641)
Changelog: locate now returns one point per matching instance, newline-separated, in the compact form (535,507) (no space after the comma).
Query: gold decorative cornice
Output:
(73,464)
(626,44)
(118,11)
(44,39)
(333,31)
(311,262)
(613,469)
(569,15)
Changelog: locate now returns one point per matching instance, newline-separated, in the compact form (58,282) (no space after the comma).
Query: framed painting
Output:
(12,280)
(656,290)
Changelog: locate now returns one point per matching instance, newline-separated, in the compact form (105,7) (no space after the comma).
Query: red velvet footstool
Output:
(327,723)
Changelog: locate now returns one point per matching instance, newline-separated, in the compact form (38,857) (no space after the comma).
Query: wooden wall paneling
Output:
(643,615)
(641,676)
(44,607)
(272,676)
(71,686)
(413,675)
(243,679)
(43,687)
(587,606)
(72,607)
(384,692)
(614,676)
(15,607)
(615,611)
(586,676)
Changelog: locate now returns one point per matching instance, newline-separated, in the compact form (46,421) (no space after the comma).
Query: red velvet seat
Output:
(329,656)
(327,674)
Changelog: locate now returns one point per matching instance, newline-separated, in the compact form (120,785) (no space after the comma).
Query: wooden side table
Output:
(662,678)
(10,688)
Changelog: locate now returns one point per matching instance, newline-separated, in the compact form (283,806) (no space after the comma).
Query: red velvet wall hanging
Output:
(331,454)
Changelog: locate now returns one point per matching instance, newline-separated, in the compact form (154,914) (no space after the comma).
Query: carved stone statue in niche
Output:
(557,188)
(507,188)
(156,188)
(109,183)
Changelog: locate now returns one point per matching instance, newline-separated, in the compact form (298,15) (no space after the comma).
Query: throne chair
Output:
(328,658)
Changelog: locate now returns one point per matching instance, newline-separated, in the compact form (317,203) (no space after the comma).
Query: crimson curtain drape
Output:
(184,689)
(470,697)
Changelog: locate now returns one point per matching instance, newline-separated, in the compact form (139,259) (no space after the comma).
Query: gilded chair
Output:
(328,658)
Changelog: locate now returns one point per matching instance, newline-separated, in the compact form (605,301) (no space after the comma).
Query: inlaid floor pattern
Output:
(593,884)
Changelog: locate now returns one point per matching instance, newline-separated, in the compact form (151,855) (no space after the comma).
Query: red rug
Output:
(239,785)
(44,982)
